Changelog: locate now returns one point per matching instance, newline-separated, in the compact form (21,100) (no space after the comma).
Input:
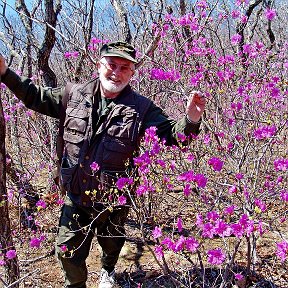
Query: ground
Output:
(137,267)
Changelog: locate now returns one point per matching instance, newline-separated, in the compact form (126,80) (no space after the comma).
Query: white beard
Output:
(111,86)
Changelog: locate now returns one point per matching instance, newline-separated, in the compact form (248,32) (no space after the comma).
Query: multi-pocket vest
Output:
(111,143)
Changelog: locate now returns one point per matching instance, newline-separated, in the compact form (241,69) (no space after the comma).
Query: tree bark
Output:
(48,42)
(6,240)
(123,20)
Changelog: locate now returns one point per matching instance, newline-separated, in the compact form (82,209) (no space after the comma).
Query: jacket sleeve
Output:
(167,128)
(45,100)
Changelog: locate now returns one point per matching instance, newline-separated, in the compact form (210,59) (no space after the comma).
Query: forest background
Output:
(212,214)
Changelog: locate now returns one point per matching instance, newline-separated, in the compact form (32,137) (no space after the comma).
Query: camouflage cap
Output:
(119,49)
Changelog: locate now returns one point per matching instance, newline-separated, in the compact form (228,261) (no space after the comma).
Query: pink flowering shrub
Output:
(207,200)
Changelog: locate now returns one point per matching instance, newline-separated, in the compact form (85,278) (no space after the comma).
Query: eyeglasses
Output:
(114,67)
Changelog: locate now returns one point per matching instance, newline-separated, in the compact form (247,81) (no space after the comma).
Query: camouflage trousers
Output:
(78,225)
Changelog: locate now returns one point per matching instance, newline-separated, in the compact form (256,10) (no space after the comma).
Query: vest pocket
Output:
(123,124)
(75,127)
(117,151)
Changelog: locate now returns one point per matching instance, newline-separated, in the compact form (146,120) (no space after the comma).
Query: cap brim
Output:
(127,57)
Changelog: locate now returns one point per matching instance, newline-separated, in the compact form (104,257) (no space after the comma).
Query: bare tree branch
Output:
(123,20)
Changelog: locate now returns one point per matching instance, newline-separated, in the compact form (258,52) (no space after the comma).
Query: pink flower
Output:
(221,228)
(206,139)
(232,190)
(179,245)
(63,248)
(265,132)
(282,250)
(60,201)
(10,254)
(237,230)
(284,195)
(212,216)
(229,210)
(2,86)
(122,200)
(157,232)
(281,164)
(236,39)
(159,74)
(41,204)
(94,166)
(187,190)
(168,243)
(199,220)
(239,176)
(270,14)
(122,182)
(244,19)
(208,230)
(201,180)
(179,225)
(260,204)
(186,176)
(142,189)
(238,276)
(216,256)
(191,244)
(35,242)
(158,252)
(216,163)
(235,14)
(2,262)
(95,40)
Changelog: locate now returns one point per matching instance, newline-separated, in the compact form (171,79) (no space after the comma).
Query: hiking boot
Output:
(107,280)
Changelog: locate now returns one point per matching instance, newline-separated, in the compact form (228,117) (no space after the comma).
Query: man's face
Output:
(115,73)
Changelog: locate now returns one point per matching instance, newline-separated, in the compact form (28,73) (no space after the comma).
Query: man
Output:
(104,122)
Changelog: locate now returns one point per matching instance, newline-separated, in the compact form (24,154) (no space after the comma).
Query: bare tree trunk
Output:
(87,30)
(6,240)
(123,20)
(49,42)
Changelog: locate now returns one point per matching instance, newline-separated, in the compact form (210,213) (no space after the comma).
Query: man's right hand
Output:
(3,65)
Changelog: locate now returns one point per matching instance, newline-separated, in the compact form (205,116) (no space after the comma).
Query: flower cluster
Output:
(215,226)
(72,54)
(189,176)
(281,164)
(159,74)
(265,132)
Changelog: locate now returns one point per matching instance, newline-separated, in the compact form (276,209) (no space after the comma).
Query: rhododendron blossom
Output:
(236,39)
(216,163)
(159,74)
(122,200)
(215,256)
(238,276)
(270,14)
(41,204)
(281,164)
(282,250)
(191,244)
(94,166)
(158,252)
(179,224)
(10,254)
(157,232)
(179,244)
(122,182)
(265,132)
